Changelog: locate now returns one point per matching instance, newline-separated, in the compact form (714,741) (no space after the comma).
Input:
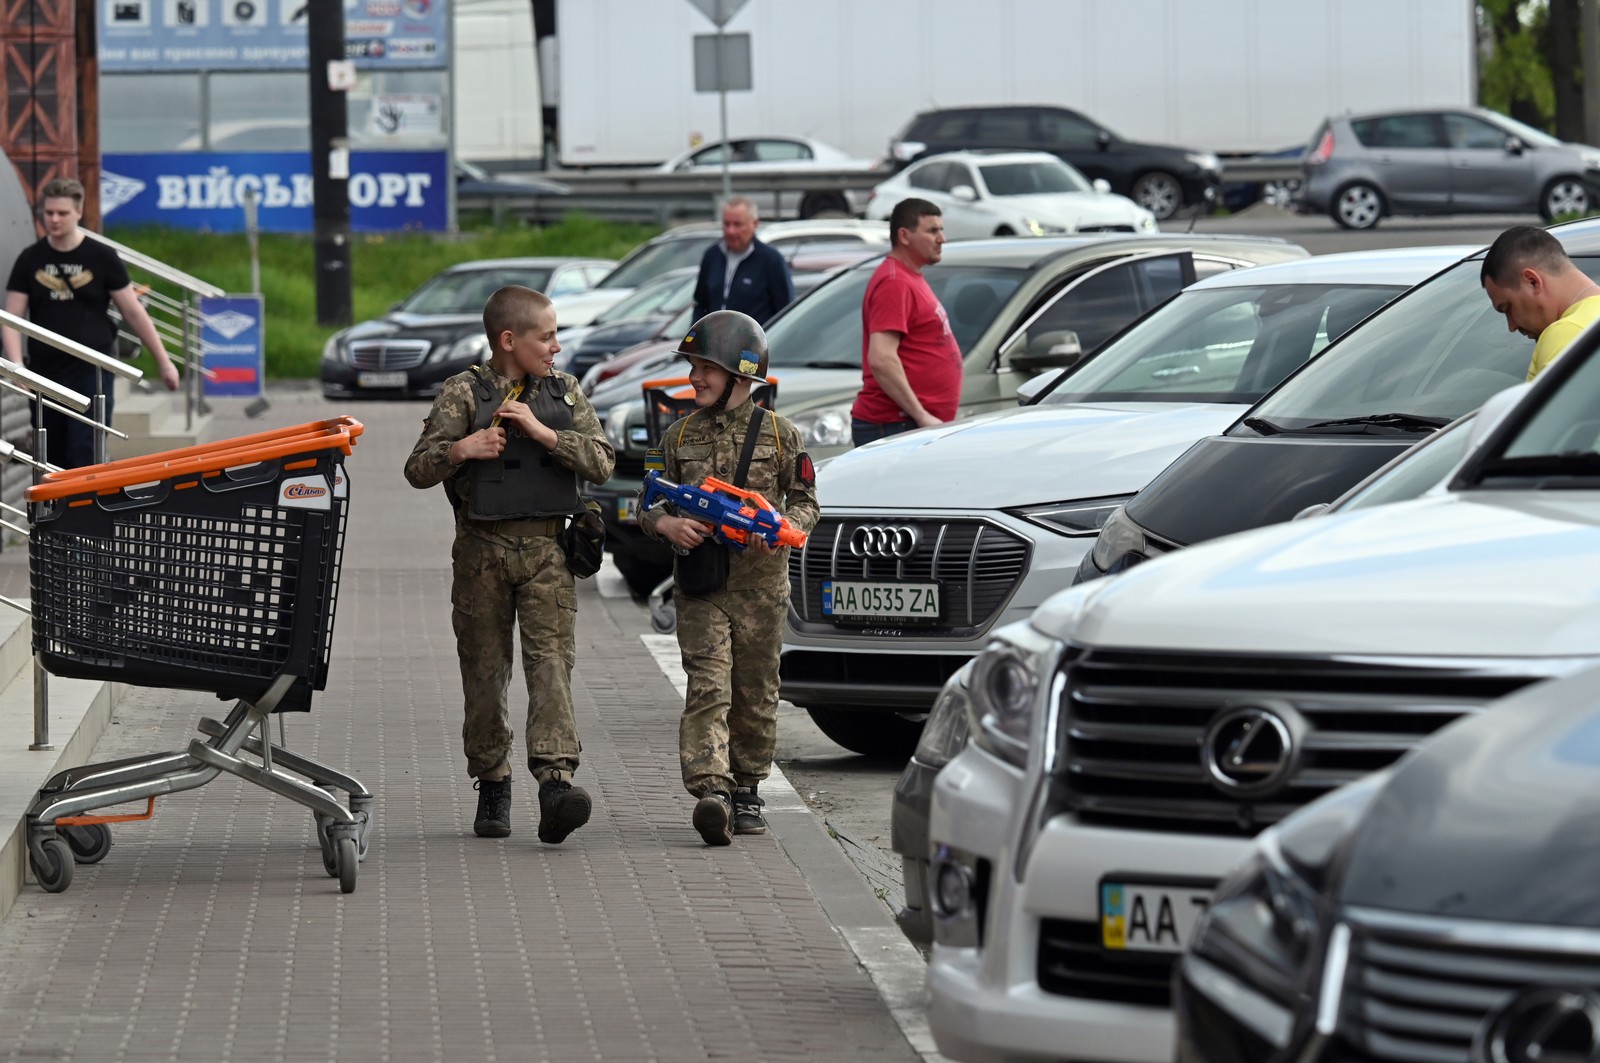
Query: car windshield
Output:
(1529,135)
(823,330)
(661,296)
(1221,344)
(465,291)
(1559,445)
(652,260)
(1430,357)
(1032,178)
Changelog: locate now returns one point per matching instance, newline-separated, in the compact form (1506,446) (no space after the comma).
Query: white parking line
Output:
(893,963)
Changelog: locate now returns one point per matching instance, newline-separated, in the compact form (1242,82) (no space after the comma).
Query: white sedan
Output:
(779,154)
(1018,193)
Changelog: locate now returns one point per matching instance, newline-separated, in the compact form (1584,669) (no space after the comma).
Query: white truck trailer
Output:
(1230,76)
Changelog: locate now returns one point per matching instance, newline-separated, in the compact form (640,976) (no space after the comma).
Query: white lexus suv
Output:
(1133,736)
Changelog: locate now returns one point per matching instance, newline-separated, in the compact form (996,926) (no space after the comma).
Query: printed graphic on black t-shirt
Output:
(69,293)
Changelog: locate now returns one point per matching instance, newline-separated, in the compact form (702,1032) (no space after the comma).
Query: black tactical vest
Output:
(525,481)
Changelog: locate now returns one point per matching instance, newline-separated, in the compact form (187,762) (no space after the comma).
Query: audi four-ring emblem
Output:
(884,540)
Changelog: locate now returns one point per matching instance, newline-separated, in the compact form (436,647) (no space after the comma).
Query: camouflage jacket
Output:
(708,443)
(583,448)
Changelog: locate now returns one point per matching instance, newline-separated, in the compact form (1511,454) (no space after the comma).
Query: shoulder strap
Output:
(751,434)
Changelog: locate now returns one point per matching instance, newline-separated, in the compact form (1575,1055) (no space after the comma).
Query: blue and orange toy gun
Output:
(733,513)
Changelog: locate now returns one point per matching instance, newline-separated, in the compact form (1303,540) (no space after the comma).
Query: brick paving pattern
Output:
(213,933)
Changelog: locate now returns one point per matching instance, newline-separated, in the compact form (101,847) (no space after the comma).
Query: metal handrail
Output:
(156,267)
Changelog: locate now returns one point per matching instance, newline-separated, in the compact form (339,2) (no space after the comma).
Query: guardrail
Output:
(662,198)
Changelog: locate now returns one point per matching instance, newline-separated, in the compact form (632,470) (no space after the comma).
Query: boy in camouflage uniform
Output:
(730,634)
(510,461)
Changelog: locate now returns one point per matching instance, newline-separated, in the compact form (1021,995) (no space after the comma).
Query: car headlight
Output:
(945,733)
(1085,517)
(1591,159)
(1205,160)
(1266,920)
(473,348)
(331,349)
(616,424)
(1006,688)
(1146,222)
(1120,538)
(828,427)
(1043,228)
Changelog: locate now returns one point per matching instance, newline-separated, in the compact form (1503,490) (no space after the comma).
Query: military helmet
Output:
(730,339)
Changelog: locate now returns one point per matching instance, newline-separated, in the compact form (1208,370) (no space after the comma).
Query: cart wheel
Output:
(57,876)
(325,840)
(349,862)
(362,809)
(89,844)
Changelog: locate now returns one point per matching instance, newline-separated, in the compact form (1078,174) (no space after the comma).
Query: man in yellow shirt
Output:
(1543,295)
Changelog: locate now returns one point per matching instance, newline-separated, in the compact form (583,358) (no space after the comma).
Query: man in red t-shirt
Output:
(910,362)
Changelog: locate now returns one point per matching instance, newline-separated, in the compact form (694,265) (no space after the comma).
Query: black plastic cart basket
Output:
(208,568)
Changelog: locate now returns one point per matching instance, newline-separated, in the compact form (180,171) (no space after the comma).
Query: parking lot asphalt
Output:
(213,933)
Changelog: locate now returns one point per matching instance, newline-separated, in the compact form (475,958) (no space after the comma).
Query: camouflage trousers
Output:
(502,584)
(730,642)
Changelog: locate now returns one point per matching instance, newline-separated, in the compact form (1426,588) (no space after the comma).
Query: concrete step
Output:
(79,713)
(155,421)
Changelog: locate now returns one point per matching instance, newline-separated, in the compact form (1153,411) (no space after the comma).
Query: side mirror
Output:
(1103,139)
(395,306)
(1049,350)
(1316,509)
(965,193)
(1102,186)
(1515,146)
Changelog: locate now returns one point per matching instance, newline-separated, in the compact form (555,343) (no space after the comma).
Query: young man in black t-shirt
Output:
(67,283)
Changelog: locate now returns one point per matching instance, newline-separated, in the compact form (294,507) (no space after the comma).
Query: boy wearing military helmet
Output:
(510,442)
(730,604)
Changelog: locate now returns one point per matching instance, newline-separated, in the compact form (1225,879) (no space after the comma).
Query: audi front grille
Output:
(1421,988)
(1229,745)
(388,354)
(977,564)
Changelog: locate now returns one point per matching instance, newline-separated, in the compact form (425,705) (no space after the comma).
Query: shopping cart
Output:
(665,401)
(210,568)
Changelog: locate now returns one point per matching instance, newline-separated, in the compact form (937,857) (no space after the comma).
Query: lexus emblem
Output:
(1548,1025)
(884,540)
(1252,750)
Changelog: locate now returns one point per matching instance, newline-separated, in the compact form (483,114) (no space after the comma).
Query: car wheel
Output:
(1564,197)
(1357,206)
(641,574)
(824,205)
(870,732)
(1280,193)
(1159,193)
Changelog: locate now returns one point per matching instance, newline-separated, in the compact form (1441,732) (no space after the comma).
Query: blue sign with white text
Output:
(389,190)
(231,342)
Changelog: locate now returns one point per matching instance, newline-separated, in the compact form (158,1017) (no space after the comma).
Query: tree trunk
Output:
(1566,72)
(1589,17)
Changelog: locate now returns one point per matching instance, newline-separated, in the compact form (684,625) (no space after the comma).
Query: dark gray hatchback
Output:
(1433,354)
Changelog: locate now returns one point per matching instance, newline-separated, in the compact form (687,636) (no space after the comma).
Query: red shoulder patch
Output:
(804,471)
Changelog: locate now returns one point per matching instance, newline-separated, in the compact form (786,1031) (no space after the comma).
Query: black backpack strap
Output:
(753,433)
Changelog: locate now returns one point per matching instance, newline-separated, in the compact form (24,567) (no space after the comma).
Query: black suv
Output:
(1161,179)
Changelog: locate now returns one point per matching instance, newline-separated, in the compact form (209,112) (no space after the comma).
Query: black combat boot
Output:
(494,808)
(713,818)
(563,808)
(747,817)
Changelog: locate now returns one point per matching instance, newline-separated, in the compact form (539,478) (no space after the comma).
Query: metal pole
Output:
(101,420)
(191,351)
(722,101)
(252,233)
(41,678)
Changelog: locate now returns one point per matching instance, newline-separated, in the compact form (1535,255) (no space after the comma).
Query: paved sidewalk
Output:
(212,933)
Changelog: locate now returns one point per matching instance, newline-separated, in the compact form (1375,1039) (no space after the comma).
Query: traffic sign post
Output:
(718,59)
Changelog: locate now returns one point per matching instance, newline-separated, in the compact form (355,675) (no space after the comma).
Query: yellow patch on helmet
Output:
(747,367)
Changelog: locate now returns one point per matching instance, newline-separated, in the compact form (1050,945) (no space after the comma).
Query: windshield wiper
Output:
(1402,421)
(1262,426)
(1573,463)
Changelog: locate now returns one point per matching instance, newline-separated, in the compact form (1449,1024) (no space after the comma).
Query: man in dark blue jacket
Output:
(740,272)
